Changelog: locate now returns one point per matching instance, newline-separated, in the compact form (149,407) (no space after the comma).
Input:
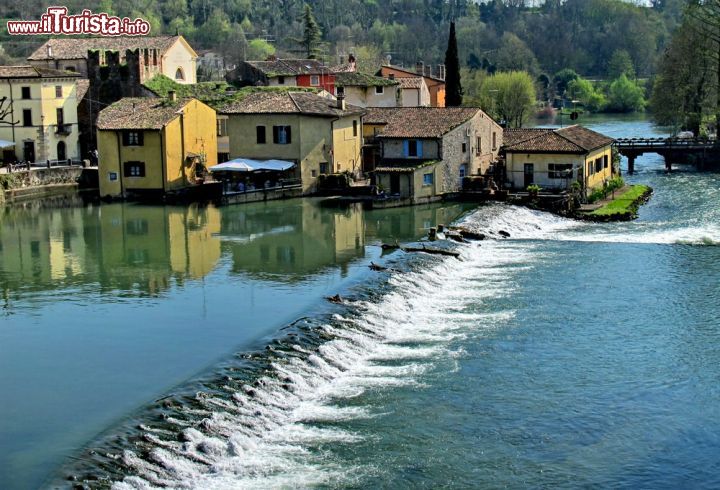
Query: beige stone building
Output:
(171,56)
(425,152)
(365,90)
(319,134)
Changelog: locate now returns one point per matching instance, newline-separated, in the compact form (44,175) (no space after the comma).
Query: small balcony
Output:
(63,129)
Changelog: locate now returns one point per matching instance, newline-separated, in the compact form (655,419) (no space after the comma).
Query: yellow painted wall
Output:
(346,147)
(597,179)
(43,105)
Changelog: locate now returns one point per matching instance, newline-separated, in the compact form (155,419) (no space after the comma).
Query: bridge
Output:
(675,150)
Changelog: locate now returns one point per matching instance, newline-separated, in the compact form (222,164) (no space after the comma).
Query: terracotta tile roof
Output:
(404,72)
(82,87)
(27,71)
(410,82)
(280,67)
(357,79)
(418,122)
(344,68)
(573,139)
(288,103)
(140,113)
(77,48)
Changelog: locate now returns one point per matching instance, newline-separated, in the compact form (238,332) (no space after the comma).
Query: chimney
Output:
(172,96)
(341,102)
(351,61)
(441,72)
(49,50)
(420,68)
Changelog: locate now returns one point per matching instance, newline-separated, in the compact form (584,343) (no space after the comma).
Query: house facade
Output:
(555,158)
(320,135)
(435,85)
(424,153)
(38,111)
(276,72)
(150,146)
(171,56)
(365,90)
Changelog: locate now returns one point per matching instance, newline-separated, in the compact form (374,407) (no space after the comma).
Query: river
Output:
(191,347)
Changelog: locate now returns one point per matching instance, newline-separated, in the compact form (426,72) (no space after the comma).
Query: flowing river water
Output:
(146,347)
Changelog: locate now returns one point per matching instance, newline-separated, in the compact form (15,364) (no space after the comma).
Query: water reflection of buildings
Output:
(117,246)
(293,239)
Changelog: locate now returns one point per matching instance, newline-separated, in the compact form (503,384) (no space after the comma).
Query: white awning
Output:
(248,165)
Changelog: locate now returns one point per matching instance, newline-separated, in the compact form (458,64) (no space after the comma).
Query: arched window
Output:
(61,154)
(179,75)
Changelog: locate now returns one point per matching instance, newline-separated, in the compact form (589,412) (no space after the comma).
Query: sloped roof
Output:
(343,68)
(572,139)
(418,122)
(357,79)
(140,113)
(77,47)
(288,103)
(405,72)
(28,71)
(82,88)
(289,67)
(410,82)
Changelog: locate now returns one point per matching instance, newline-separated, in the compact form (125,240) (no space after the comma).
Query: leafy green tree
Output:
(625,95)
(312,35)
(514,55)
(584,91)
(509,97)
(453,88)
(621,64)
(259,49)
(563,78)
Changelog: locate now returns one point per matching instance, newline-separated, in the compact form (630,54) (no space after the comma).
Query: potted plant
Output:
(533,190)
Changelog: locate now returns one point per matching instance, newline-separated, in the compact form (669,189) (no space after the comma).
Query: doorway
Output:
(529,175)
(463,173)
(394,183)
(29,151)
(61,153)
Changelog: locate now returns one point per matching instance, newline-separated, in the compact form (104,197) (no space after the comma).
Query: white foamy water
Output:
(269,435)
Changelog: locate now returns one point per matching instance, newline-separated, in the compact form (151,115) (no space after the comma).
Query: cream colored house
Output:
(426,152)
(415,92)
(170,55)
(365,90)
(320,135)
(38,112)
(555,158)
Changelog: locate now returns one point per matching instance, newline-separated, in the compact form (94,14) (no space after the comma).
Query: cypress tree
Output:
(311,34)
(453,89)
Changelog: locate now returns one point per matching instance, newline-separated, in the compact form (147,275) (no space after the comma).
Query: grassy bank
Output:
(624,206)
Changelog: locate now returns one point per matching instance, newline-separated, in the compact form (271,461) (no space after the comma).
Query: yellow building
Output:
(150,146)
(555,158)
(320,135)
(38,112)
(170,55)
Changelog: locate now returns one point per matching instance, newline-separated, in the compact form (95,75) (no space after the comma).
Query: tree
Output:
(453,88)
(625,96)
(584,91)
(509,97)
(563,78)
(312,35)
(621,64)
(259,49)
(514,55)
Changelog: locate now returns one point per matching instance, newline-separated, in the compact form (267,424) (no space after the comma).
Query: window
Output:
(222,127)
(494,141)
(260,135)
(323,167)
(281,80)
(412,148)
(58,91)
(605,161)
(70,68)
(281,135)
(560,170)
(355,128)
(464,147)
(478,145)
(179,75)
(146,58)
(132,138)
(313,173)
(134,169)
(379,89)
(340,90)
(598,165)
(60,116)
(154,57)
(27,117)
(427,179)
(314,80)
(591,167)
(25,91)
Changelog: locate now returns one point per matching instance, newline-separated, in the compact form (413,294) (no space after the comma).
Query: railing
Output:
(63,129)
(279,185)
(665,143)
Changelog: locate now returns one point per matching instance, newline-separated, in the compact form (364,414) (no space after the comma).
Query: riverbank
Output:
(42,183)
(622,205)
